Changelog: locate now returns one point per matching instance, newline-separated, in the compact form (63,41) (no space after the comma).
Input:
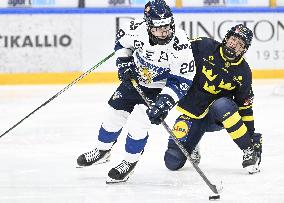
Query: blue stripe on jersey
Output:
(179,85)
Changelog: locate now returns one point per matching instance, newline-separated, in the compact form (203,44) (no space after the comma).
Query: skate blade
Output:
(253,169)
(114,181)
(97,163)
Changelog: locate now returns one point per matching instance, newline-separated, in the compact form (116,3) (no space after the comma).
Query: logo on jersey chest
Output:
(146,75)
(226,86)
(208,73)
(147,71)
(216,87)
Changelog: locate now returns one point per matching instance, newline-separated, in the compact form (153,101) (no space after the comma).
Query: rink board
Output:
(95,78)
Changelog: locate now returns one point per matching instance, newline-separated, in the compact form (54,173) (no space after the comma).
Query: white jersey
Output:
(170,67)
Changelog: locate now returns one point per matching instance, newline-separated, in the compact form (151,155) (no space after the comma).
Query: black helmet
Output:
(241,32)
(158,14)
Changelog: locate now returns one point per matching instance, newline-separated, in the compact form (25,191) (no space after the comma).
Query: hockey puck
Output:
(214,197)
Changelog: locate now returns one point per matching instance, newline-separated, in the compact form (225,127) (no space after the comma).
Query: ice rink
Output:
(38,157)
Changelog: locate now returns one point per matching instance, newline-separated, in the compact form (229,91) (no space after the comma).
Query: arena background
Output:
(54,41)
(47,44)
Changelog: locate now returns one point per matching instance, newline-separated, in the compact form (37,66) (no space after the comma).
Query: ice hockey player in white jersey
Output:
(157,54)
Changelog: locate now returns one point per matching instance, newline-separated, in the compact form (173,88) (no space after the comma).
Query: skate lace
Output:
(123,167)
(248,154)
(92,155)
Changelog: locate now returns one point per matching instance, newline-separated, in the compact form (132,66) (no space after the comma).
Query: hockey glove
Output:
(158,111)
(125,66)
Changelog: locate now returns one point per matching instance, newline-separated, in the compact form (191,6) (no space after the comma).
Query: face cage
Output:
(159,41)
(230,53)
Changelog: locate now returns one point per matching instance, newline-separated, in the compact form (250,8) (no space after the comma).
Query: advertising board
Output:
(229,3)
(122,3)
(38,3)
(266,52)
(40,43)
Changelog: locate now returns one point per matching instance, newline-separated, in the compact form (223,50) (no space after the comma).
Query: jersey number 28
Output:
(187,67)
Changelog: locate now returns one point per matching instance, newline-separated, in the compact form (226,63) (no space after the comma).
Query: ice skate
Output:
(94,156)
(251,161)
(121,172)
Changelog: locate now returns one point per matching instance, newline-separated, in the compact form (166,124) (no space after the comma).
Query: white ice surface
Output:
(38,157)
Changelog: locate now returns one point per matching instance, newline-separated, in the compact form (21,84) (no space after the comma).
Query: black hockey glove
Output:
(125,66)
(158,111)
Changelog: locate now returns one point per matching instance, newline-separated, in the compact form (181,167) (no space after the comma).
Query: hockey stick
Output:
(60,92)
(165,125)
